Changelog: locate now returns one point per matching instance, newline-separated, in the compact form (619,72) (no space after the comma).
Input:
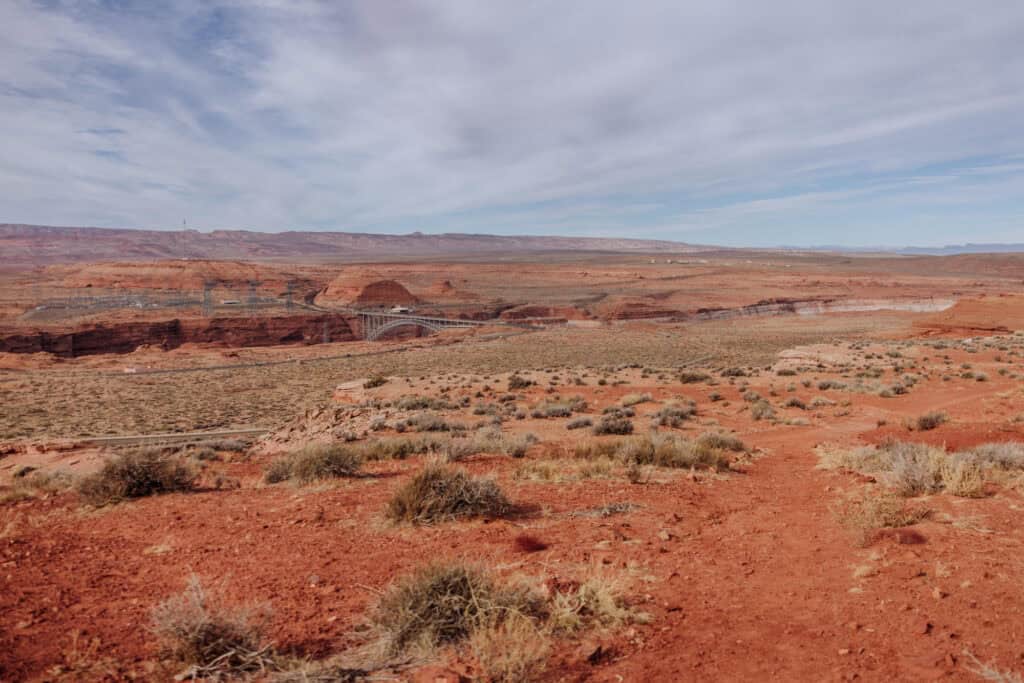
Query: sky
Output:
(737,123)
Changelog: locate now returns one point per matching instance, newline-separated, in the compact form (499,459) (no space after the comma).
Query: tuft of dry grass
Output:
(930,421)
(598,600)
(215,641)
(29,484)
(511,650)
(610,424)
(442,604)
(865,512)
(136,474)
(912,469)
(315,462)
(675,414)
(710,450)
(990,671)
(439,493)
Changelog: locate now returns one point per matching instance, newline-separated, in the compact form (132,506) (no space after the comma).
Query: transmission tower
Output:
(207,299)
(253,303)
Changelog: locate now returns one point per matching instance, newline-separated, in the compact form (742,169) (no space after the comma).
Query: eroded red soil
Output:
(747,575)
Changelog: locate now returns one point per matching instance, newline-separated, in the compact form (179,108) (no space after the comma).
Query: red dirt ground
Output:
(747,576)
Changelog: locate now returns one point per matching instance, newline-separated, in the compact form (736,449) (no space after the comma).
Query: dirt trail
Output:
(766,588)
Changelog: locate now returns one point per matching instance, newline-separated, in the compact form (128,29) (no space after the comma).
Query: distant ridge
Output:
(41,245)
(947,250)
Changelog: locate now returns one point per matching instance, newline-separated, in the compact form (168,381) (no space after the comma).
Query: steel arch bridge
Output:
(376,324)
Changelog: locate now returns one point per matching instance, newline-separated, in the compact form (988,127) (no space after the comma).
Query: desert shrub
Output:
(618,411)
(962,476)
(439,493)
(1006,456)
(401,448)
(693,376)
(634,399)
(214,640)
(751,396)
(597,600)
(278,471)
(762,410)
(515,383)
(416,402)
(785,372)
(513,649)
(315,462)
(28,482)
(827,384)
(589,450)
(867,511)
(429,422)
(613,425)
(135,475)
(912,469)
(443,604)
(579,423)
(820,402)
(733,372)
(930,421)
(375,381)
(490,440)
(551,410)
(723,442)
(714,397)
(670,450)
(795,402)
(674,414)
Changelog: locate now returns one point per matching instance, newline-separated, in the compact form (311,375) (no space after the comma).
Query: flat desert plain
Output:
(707,466)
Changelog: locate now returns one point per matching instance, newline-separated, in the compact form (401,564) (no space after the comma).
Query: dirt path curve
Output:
(770,587)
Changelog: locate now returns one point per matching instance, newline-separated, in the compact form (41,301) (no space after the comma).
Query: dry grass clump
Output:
(135,475)
(1006,456)
(316,462)
(930,421)
(597,600)
(635,399)
(579,423)
(912,469)
(427,422)
(401,448)
(511,650)
(865,512)
(709,451)
(490,440)
(990,671)
(610,424)
(439,493)
(506,625)
(442,604)
(762,410)
(516,382)
(674,414)
(693,376)
(214,640)
(419,402)
(29,483)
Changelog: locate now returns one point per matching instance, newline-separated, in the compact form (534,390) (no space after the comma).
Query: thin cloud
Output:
(720,122)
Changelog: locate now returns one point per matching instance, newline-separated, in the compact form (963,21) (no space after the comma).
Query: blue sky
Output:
(737,123)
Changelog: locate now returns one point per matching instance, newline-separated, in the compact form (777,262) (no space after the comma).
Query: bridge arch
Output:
(376,332)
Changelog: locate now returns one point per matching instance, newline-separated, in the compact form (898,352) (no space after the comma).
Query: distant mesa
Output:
(361,287)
